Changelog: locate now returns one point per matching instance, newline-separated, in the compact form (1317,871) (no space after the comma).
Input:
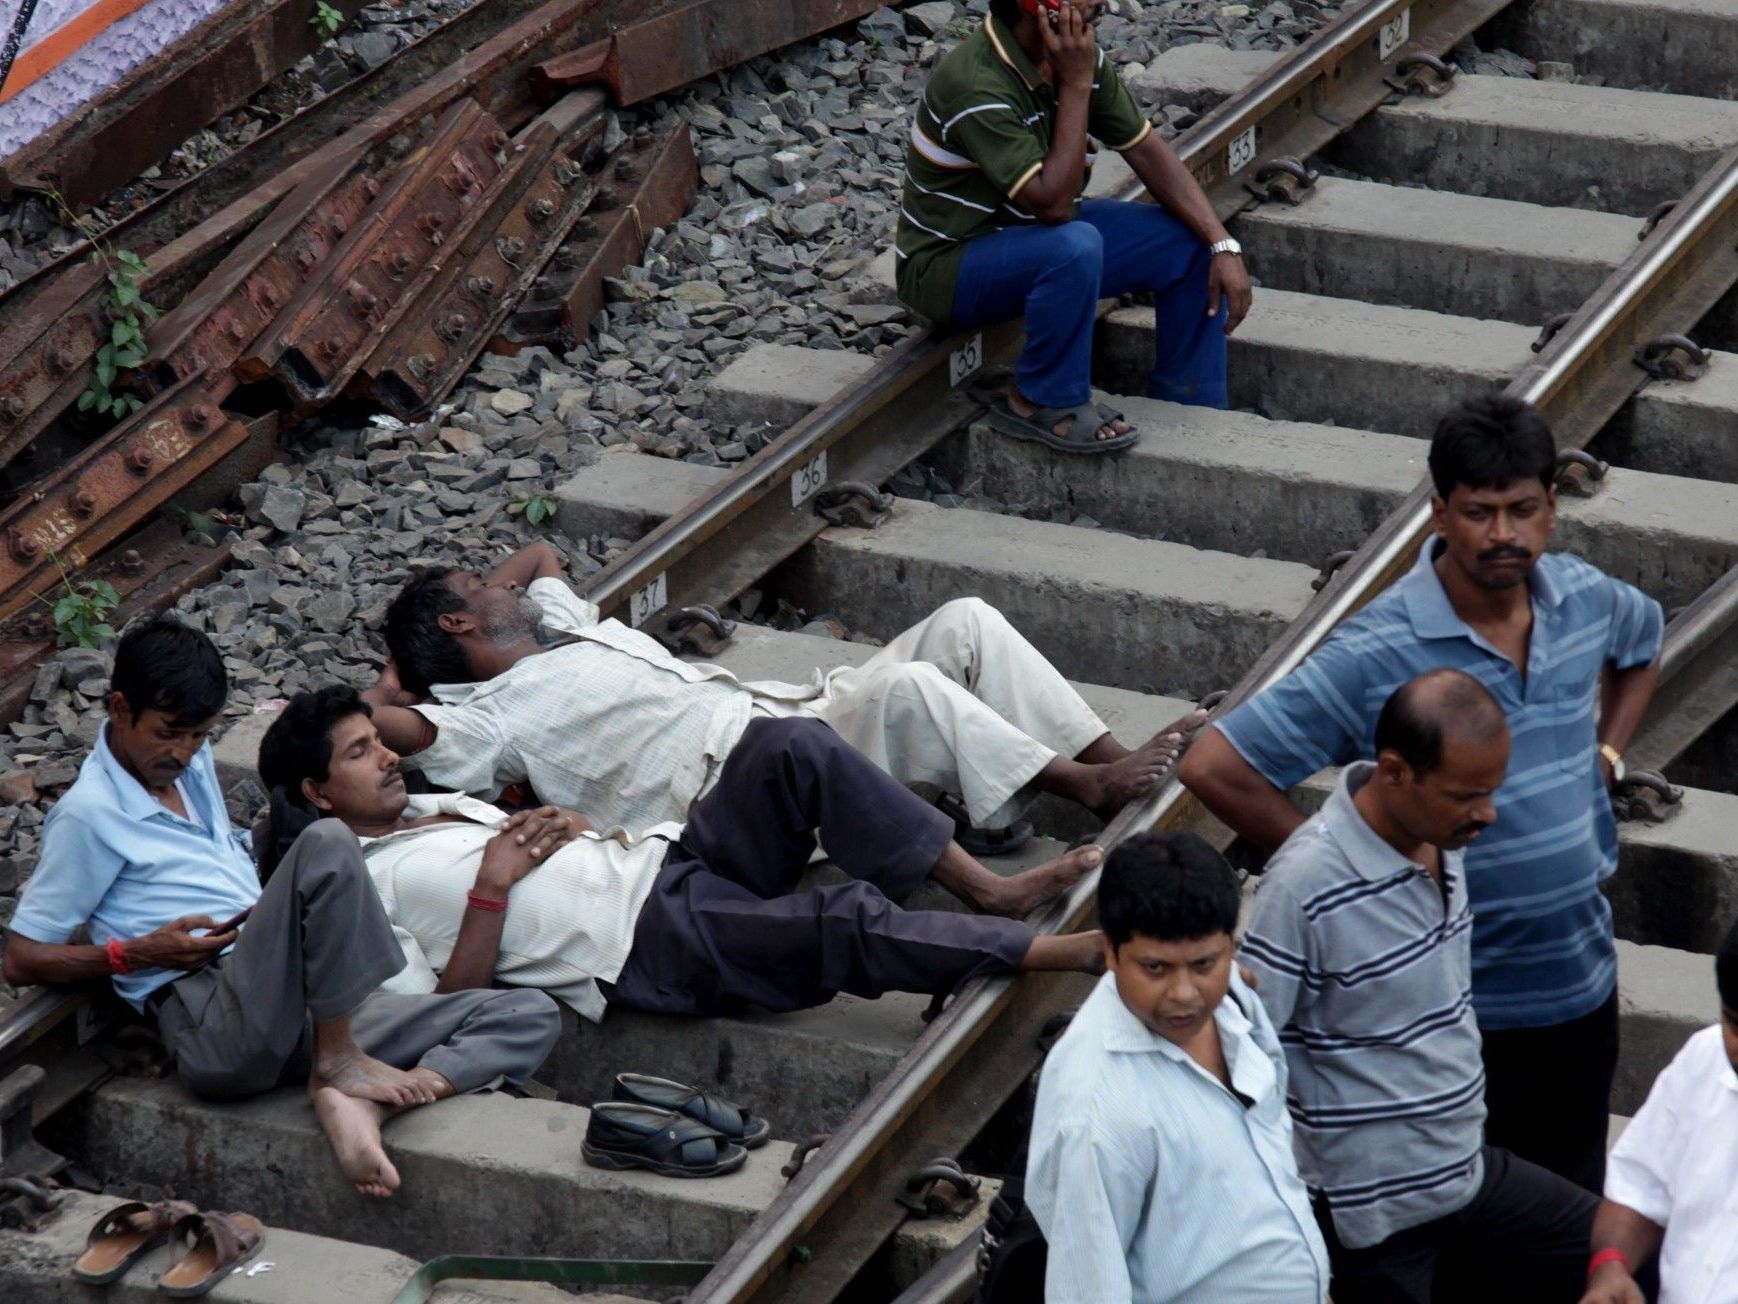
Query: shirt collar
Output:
(1368,853)
(1011,53)
(1427,604)
(1127,1034)
(132,797)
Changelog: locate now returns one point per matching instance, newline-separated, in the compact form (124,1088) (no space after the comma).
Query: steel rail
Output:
(730,537)
(838,1210)
(1698,677)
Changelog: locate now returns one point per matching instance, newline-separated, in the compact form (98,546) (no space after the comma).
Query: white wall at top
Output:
(96,66)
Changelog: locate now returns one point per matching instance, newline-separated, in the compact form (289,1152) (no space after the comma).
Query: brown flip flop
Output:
(124,1235)
(220,1241)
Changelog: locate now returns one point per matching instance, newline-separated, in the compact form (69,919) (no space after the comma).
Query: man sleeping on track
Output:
(699,918)
(511,677)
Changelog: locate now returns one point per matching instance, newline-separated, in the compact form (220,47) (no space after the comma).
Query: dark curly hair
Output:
(1490,440)
(425,653)
(298,746)
(1171,887)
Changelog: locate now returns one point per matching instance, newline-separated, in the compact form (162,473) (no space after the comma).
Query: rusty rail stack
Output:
(456,199)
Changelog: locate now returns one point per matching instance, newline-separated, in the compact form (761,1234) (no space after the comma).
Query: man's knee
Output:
(1078,245)
(803,737)
(536,1015)
(326,847)
(972,614)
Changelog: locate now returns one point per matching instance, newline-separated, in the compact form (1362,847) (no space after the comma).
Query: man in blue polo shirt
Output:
(140,853)
(1554,640)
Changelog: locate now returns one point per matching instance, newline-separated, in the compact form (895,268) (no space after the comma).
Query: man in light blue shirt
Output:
(1571,655)
(1161,1167)
(140,853)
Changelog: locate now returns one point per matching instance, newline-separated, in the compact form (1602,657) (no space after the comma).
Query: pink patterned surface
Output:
(94,68)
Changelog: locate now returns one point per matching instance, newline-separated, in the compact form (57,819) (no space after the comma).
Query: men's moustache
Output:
(1505,554)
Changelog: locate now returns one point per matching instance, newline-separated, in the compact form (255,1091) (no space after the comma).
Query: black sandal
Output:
(1082,436)
(982,843)
(622,1136)
(730,1120)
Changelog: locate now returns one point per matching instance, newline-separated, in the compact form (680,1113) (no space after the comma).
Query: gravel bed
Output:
(801,156)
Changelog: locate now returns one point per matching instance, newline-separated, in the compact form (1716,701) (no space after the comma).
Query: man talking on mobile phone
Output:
(992,225)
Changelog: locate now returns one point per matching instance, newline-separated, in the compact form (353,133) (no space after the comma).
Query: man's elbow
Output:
(1196,771)
(16,968)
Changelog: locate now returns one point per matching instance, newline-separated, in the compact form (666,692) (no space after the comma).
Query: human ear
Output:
(314,796)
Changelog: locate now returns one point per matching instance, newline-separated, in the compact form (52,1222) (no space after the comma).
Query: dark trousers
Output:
(1523,1238)
(316,946)
(1548,1093)
(724,926)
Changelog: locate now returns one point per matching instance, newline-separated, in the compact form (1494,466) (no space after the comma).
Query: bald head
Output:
(1442,708)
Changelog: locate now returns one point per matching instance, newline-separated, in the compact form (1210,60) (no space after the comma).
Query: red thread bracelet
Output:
(492,904)
(1605,1256)
(117,957)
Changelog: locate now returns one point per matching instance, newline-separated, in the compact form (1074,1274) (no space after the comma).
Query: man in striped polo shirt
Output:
(1572,656)
(992,227)
(1361,939)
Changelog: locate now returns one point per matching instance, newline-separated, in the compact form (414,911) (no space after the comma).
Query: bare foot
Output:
(352,1126)
(1072,952)
(366,1078)
(1020,894)
(1138,773)
(1022,406)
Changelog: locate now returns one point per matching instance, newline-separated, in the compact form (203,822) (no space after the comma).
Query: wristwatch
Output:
(1225,246)
(1615,758)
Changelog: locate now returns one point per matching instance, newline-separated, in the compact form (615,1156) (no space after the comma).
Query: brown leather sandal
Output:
(124,1235)
(220,1241)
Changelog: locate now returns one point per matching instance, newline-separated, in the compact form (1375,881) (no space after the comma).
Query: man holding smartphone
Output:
(140,853)
(992,225)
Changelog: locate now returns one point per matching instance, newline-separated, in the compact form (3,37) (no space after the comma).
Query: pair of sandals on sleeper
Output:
(214,1244)
(672,1129)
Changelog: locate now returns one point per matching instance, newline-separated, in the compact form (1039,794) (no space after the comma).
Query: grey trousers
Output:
(315,948)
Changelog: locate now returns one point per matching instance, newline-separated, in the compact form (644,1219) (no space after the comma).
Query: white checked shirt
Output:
(610,725)
(1676,1164)
(569,922)
(1153,1182)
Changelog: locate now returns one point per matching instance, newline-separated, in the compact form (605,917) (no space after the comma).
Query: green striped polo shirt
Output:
(981,131)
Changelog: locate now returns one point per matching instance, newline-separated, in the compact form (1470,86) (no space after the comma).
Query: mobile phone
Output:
(1033,6)
(228,924)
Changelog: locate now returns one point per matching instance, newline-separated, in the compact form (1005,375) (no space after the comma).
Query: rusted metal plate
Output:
(319,338)
(656,53)
(96,497)
(514,231)
(168,98)
(648,184)
(170,567)
(212,327)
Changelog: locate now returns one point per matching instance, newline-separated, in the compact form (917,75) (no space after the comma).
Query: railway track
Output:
(1379,303)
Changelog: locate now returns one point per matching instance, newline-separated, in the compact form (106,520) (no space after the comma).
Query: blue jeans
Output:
(1055,276)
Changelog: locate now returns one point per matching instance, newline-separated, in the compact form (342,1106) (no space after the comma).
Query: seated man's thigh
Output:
(1524,1237)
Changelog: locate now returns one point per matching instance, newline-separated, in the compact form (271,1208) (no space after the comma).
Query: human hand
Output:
(1227,278)
(174,945)
(522,844)
(1070,44)
(1612,1284)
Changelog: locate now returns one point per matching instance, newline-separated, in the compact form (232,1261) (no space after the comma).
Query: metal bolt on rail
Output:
(1579,473)
(1423,74)
(1548,330)
(1283,181)
(852,502)
(1672,357)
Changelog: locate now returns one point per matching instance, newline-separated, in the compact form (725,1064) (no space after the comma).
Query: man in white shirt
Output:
(1161,1164)
(687,919)
(608,722)
(1671,1183)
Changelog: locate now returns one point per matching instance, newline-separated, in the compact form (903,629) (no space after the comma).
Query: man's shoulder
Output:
(1575,578)
(1307,863)
(91,798)
(969,69)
